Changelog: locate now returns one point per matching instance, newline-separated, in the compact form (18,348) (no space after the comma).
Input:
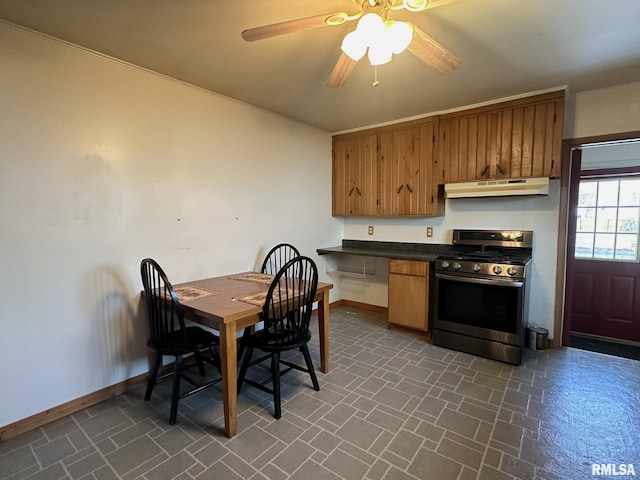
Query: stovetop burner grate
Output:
(492,256)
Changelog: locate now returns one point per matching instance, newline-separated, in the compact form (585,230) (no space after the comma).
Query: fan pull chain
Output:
(375,76)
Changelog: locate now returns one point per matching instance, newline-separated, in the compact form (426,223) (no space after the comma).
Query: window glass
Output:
(626,247)
(604,245)
(608,193)
(586,220)
(584,245)
(608,219)
(629,192)
(628,220)
(587,194)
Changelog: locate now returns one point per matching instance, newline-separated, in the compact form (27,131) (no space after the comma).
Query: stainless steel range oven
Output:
(481,299)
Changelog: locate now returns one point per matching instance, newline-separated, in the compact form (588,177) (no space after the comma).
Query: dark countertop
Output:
(399,250)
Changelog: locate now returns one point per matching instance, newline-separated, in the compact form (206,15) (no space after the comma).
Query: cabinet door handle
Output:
(484,171)
(351,191)
(358,191)
(500,169)
(400,188)
(409,188)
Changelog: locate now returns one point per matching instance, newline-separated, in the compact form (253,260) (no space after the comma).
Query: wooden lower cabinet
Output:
(409,294)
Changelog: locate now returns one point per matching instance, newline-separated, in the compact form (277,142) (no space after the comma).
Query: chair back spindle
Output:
(166,316)
(277,257)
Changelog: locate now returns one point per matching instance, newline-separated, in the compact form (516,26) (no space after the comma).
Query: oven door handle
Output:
(481,281)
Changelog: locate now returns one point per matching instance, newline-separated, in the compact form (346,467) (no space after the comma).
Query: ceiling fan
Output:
(376,32)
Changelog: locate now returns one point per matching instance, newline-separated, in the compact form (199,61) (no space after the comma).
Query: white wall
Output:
(537,213)
(103,164)
(606,110)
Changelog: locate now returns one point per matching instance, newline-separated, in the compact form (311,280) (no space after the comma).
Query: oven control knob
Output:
(457,266)
(445,264)
(512,271)
(497,269)
(477,267)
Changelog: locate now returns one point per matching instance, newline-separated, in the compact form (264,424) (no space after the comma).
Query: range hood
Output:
(498,188)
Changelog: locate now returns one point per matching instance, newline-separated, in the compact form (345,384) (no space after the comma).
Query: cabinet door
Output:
(355,175)
(515,139)
(409,294)
(407,184)
(464,148)
(526,141)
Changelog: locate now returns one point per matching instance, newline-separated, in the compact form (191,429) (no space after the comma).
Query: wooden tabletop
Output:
(224,307)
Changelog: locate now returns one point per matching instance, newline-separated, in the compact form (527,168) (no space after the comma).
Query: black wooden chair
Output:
(277,257)
(272,263)
(170,337)
(286,314)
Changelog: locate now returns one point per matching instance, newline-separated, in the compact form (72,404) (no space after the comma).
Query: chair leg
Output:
(246,360)
(196,354)
(307,358)
(275,375)
(175,392)
(216,358)
(153,375)
(245,333)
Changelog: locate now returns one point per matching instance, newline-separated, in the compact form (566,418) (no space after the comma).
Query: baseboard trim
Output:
(363,306)
(73,406)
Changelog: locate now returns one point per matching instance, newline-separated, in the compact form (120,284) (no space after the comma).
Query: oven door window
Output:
(494,307)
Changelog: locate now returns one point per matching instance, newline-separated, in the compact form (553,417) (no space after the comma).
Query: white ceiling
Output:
(507,48)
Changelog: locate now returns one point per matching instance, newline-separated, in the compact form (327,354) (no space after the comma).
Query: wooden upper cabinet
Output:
(465,148)
(355,175)
(407,185)
(515,139)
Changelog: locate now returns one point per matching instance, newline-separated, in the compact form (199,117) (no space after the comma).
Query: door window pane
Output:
(587,194)
(629,192)
(608,193)
(626,247)
(608,219)
(628,220)
(584,245)
(586,220)
(604,245)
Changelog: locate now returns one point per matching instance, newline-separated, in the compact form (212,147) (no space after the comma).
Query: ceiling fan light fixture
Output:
(354,46)
(415,5)
(379,54)
(336,19)
(370,27)
(398,35)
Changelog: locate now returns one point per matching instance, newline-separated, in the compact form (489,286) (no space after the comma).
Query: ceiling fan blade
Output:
(432,53)
(290,26)
(341,71)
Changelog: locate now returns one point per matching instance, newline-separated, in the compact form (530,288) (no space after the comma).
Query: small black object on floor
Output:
(602,346)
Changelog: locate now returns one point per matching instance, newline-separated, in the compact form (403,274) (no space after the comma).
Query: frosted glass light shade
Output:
(370,27)
(398,35)
(380,53)
(354,46)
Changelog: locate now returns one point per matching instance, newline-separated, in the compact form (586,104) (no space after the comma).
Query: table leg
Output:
(229,378)
(323,331)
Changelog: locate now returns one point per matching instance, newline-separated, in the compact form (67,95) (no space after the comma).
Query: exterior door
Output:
(606,268)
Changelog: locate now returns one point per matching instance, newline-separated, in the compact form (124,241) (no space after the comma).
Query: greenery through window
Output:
(608,217)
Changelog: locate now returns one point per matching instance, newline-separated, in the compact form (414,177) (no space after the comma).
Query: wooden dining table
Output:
(230,303)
